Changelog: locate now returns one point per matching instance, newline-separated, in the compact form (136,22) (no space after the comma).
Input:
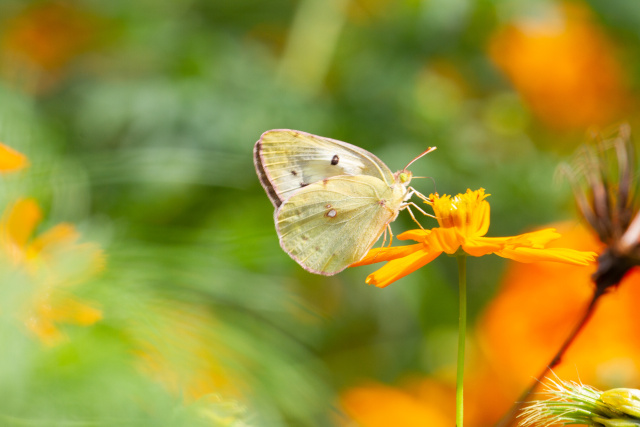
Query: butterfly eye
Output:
(404,177)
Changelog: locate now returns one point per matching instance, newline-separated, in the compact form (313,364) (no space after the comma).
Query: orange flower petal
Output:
(387,254)
(482,215)
(567,256)
(480,246)
(444,240)
(11,160)
(535,239)
(19,222)
(417,235)
(399,268)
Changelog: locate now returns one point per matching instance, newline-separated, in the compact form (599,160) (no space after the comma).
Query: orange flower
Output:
(426,401)
(536,307)
(563,65)
(41,41)
(11,160)
(378,405)
(464,220)
(539,305)
(45,259)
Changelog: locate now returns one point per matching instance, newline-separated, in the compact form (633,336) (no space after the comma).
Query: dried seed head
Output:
(604,180)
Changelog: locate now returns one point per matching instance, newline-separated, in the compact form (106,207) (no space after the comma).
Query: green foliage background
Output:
(145,143)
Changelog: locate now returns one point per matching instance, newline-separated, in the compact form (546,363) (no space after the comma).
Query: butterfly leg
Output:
(420,209)
(419,194)
(385,237)
(406,206)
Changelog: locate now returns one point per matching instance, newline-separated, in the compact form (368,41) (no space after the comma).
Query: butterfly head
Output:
(403,177)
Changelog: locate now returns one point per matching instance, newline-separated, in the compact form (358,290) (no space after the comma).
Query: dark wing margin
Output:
(287,160)
(262,175)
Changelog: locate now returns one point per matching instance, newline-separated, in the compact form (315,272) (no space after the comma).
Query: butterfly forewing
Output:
(288,160)
(331,224)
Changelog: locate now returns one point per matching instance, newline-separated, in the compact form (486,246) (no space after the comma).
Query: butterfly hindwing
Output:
(288,160)
(329,225)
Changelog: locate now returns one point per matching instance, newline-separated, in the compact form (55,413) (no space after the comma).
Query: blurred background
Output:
(142,279)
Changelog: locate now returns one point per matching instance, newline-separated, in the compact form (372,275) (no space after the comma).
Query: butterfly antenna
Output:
(435,190)
(427,151)
(422,196)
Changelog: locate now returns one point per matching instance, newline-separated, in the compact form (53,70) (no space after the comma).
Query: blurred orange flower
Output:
(537,307)
(426,401)
(564,67)
(378,405)
(44,39)
(464,220)
(54,261)
(11,160)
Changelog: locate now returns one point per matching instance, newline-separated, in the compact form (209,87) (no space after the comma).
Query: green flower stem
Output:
(462,332)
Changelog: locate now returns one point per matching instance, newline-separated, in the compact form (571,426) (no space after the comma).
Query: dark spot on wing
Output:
(324,181)
(317,248)
(305,237)
(328,206)
(294,173)
(335,160)
(331,214)
(303,184)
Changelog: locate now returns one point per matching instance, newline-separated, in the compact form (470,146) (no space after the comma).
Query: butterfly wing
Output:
(329,225)
(288,160)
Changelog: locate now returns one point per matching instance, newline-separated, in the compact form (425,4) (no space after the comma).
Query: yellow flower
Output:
(11,160)
(54,261)
(464,220)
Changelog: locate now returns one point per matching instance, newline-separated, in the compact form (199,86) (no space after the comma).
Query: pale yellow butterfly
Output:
(333,200)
